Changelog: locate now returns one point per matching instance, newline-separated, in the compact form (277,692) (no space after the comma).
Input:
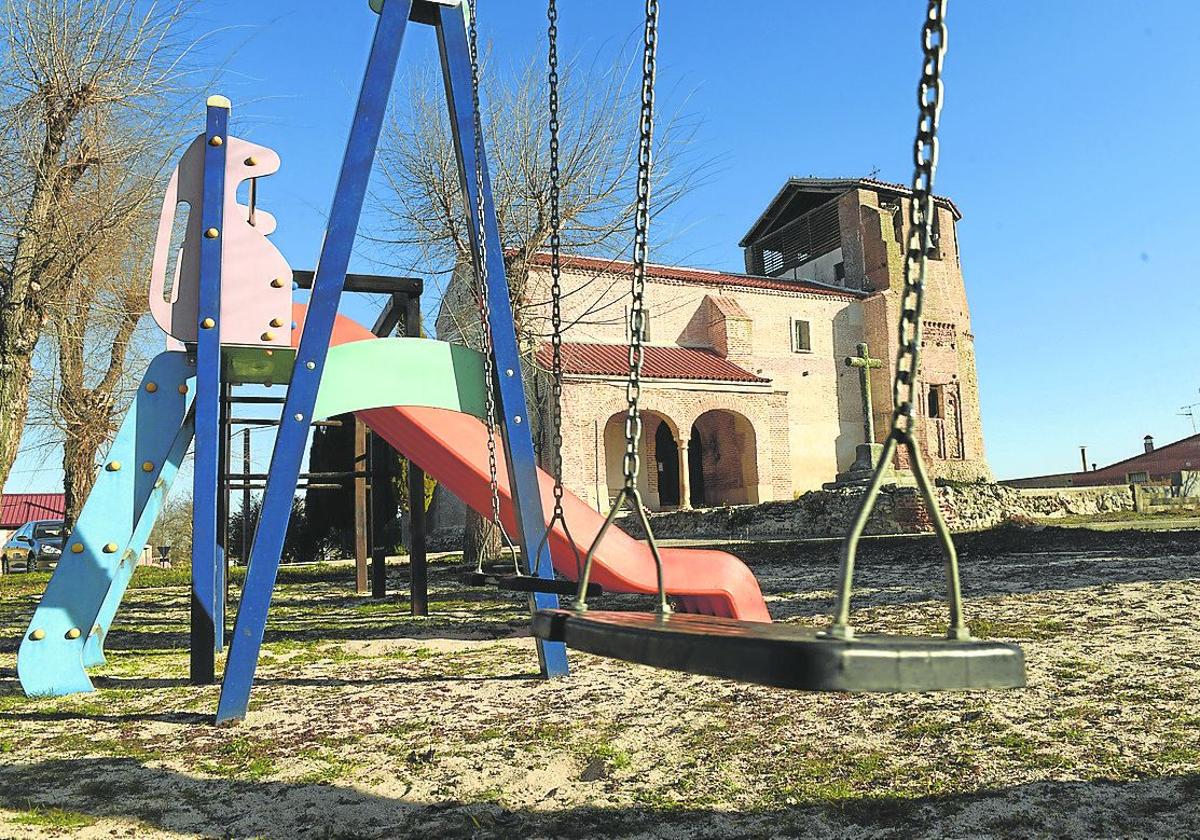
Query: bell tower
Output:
(851,233)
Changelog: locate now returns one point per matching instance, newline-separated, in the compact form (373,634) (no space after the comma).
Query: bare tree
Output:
(422,206)
(97,335)
(86,99)
(426,221)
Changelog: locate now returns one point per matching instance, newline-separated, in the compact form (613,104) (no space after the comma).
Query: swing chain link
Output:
(482,277)
(921,210)
(556,364)
(641,251)
(904,386)
(633,391)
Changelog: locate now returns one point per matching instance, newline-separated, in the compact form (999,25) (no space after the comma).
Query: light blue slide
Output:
(68,628)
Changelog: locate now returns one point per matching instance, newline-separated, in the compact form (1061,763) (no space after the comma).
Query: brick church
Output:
(747,395)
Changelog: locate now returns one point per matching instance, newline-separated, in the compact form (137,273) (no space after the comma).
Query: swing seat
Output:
(528,583)
(786,656)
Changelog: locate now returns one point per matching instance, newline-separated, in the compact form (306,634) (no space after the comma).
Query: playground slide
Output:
(449,442)
(68,628)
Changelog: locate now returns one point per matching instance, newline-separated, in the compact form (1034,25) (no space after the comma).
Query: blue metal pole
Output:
(512,408)
(204,609)
(310,360)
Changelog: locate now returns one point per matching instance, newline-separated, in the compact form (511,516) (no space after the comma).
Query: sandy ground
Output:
(367,723)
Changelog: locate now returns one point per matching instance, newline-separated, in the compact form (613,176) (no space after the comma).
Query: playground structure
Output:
(457,414)
(230,318)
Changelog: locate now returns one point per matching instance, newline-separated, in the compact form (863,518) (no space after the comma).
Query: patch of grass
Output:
(1034,629)
(614,757)
(240,757)
(59,819)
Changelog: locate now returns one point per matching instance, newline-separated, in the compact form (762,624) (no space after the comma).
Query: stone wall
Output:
(900,510)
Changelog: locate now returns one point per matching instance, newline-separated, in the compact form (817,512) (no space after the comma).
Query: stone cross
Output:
(865,364)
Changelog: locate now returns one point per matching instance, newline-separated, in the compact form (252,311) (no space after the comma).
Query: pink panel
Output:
(250,262)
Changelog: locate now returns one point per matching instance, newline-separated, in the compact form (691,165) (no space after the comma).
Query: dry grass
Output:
(367,723)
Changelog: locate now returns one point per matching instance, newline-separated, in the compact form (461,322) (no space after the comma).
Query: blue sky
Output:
(1065,131)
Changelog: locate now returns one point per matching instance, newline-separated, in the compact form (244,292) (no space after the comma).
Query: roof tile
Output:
(18,508)
(703,276)
(658,363)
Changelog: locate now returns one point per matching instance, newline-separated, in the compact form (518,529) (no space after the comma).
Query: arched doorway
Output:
(723,460)
(658,480)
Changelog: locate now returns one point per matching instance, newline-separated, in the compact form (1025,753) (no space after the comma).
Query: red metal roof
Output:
(18,508)
(703,276)
(659,363)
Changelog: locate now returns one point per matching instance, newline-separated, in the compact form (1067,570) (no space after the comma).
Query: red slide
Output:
(452,447)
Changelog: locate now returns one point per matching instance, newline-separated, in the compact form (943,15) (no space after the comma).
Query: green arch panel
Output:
(401,371)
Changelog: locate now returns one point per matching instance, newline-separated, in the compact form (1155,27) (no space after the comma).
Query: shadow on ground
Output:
(171,801)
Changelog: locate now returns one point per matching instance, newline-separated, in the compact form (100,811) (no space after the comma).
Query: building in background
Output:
(18,508)
(1174,465)
(747,395)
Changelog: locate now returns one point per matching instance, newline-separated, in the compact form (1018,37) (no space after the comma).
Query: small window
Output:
(1138,477)
(839,274)
(801,336)
(935,400)
(935,236)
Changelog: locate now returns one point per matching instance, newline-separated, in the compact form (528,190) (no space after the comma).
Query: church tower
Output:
(851,233)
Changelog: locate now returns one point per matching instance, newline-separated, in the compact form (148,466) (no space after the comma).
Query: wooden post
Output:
(418,568)
(380,458)
(361,525)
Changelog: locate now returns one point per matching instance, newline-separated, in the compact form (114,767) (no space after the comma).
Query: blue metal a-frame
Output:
(449,18)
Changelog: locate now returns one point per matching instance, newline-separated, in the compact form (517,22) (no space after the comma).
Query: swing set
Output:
(718,625)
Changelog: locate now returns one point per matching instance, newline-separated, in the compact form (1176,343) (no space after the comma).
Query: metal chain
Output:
(921,210)
(556,366)
(633,390)
(482,281)
(556,363)
(904,386)
(641,250)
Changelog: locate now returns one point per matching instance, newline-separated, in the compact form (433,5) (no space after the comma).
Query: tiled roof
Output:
(18,508)
(699,276)
(728,307)
(659,363)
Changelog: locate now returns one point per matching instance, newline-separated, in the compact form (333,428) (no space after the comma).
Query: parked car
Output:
(33,546)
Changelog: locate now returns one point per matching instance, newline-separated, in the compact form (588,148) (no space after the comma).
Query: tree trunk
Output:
(79,472)
(19,330)
(480,538)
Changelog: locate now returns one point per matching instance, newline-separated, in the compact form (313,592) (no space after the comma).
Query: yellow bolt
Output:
(73,633)
(147,466)
(276,283)
(183,388)
(208,323)
(268,336)
(275,322)
(110,548)
(252,161)
(216,141)
(113,466)
(151,387)
(38,634)
(212,233)
(270,352)
(77,548)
